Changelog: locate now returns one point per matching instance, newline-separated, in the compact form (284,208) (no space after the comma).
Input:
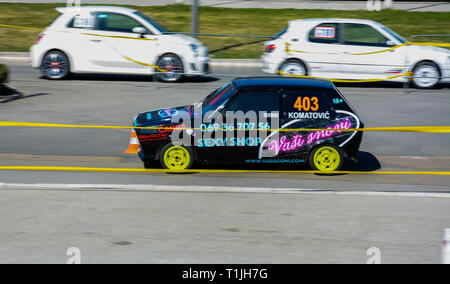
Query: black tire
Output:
(336,162)
(420,73)
(173,64)
(298,68)
(55,65)
(181,152)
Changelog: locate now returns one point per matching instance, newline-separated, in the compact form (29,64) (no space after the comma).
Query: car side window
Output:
(360,34)
(82,22)
(306,104)
(115,23)
(325,33)
(257,100)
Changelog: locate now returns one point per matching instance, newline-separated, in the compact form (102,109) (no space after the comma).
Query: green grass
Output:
(220,20)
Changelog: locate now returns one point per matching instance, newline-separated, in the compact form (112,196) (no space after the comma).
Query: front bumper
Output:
(198,65)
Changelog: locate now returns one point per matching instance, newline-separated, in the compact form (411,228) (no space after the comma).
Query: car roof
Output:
(64,10)
(281,82)
(336,20)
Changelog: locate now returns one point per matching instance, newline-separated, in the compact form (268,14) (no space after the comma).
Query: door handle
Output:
(95,40)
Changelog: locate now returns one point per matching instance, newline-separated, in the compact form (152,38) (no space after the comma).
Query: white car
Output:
(352,49)
(115,40)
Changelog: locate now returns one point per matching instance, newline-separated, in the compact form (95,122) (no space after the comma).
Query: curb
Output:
(24,57)
(15,57)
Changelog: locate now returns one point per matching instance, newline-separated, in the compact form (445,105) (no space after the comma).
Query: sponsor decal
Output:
(153,137)
(275,161)
(298,142)
(219,142)
(309,115)
(318,135)
(167,113)
(324,32)
(395,71)
(283,145)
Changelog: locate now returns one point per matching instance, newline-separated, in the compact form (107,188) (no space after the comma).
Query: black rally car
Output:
(259,120)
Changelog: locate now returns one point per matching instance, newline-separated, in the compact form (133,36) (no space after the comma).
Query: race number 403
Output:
(325,32)
(307,104)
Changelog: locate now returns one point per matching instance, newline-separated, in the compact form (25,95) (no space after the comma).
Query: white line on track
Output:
(208,189)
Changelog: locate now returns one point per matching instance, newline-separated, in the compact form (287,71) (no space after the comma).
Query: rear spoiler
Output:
(63,10)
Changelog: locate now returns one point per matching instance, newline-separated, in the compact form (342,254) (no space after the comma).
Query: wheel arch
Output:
(65,52)
(158,151)
(177,54)
(301,61)
(415,64)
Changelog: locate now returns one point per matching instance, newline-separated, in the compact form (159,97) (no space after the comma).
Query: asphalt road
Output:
(194,226)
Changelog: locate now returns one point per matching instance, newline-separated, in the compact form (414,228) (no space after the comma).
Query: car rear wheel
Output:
(176,157)
(327,158)
(293,67)
(426,75)
(171,68)
(55,65)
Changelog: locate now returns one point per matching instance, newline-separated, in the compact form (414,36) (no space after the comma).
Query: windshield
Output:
(395,35)
(152,22)
(279,34)
(216,98)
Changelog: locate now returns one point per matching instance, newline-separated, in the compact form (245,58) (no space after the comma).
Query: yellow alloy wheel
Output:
(327,159)
(177,158)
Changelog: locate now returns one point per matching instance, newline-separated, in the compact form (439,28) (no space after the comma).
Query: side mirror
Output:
(390,43)
(139,30)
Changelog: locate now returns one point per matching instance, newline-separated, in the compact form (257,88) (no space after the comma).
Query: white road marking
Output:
(209,189)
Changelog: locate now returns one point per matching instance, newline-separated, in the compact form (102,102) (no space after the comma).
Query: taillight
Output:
(39,38)
(270,48)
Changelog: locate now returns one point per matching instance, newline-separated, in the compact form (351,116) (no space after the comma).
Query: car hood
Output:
(160,116)
(180,39)
(429,49)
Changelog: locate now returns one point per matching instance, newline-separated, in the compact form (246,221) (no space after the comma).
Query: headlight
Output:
(194,47)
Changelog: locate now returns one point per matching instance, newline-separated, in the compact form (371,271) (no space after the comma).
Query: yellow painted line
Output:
(145,64)
(119,37)
(132,170)
(437,44)
(19,27)
(422,129)
(407,74)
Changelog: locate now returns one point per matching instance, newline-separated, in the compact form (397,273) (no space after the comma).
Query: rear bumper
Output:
(35,56)
(270,64)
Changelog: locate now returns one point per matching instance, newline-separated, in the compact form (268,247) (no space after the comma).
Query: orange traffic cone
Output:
(133,148)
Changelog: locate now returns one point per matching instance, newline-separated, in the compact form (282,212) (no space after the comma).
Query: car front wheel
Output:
(55,65)
(426,75)
(174,157)
(170,68)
